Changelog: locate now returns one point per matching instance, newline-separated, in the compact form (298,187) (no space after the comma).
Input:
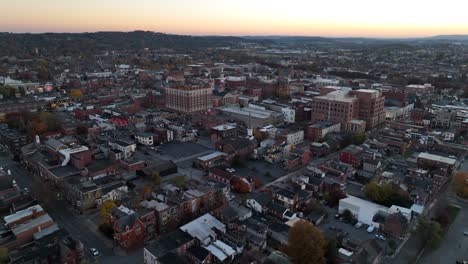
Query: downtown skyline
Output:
(336,18)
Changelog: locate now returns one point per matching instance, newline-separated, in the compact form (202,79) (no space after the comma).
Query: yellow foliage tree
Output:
(106,207)
(77,93)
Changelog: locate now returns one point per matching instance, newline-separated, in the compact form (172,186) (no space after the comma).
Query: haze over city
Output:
(335,18)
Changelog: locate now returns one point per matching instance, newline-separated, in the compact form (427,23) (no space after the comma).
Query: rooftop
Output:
(436,158)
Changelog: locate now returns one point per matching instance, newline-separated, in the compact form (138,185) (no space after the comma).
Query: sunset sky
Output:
(344,18)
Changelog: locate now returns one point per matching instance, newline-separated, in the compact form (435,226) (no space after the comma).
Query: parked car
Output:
(370,229)
(94,252)
(379,236)
(465,233)
(358,225)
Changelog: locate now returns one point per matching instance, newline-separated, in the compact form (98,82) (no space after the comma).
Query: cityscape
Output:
(219,133)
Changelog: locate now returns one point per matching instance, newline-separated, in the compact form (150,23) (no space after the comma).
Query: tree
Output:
(332,251)
(240,185)
(460,184)
(156,177)
(106,208)
(50,120)
(358,139)
(387,194)
(4,255)
(334,196)
(312,206)
(430,232)
(178,181)
(306,244)
(348,216)
(77,93)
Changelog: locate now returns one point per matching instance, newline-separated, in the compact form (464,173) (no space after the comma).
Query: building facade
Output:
(189,98)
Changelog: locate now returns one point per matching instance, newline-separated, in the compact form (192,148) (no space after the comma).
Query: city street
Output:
(454,245)
(79,226)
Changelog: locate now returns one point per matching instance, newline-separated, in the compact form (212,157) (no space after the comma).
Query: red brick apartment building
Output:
(342,105)
(189,98)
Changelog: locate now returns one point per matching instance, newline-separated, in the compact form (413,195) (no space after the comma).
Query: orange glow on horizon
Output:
(336,18)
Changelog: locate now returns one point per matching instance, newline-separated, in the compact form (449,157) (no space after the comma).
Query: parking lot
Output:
(262,170)
(178,150)
(358,235)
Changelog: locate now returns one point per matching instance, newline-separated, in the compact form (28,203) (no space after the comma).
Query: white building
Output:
(128,148)
(363,210)
(289,114)
(295,137)
(144,138)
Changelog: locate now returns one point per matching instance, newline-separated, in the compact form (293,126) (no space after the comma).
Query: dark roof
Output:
(239,142)
(168,243)
(99,165)
(124,143)
(277,208)
(198,252)
(171,258)
(263,198)
(286,193)
(6,182)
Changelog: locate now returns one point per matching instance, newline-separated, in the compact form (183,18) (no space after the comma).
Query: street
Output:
(79,226)
(454,245)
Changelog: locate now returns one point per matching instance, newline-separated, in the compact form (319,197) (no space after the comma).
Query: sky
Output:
(329,18)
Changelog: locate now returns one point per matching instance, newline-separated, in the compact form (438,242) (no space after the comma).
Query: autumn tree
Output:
(240,185)
(77,93)
(306,244)
(460,184)
(106,208)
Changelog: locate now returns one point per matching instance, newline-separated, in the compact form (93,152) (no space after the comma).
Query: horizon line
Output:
(227,35)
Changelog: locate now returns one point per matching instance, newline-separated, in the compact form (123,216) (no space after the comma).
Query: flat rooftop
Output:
(436,158)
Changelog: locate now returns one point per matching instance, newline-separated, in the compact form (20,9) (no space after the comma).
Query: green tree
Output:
(156,177)
(4,258)
(430,232)
(347,216)
(306,244)
(178,181)
(358,139)
(387,194)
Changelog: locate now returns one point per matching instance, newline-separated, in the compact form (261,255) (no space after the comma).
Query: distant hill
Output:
(91,43)
(450,37)
(76,43)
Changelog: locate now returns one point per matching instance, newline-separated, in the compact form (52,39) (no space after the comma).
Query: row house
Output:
(352,155)
(129,230)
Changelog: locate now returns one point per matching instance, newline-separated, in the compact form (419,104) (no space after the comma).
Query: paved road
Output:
(455,245)
(79,226)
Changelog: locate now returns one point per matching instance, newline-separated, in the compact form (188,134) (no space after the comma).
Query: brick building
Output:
(189,98)
(371,106)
